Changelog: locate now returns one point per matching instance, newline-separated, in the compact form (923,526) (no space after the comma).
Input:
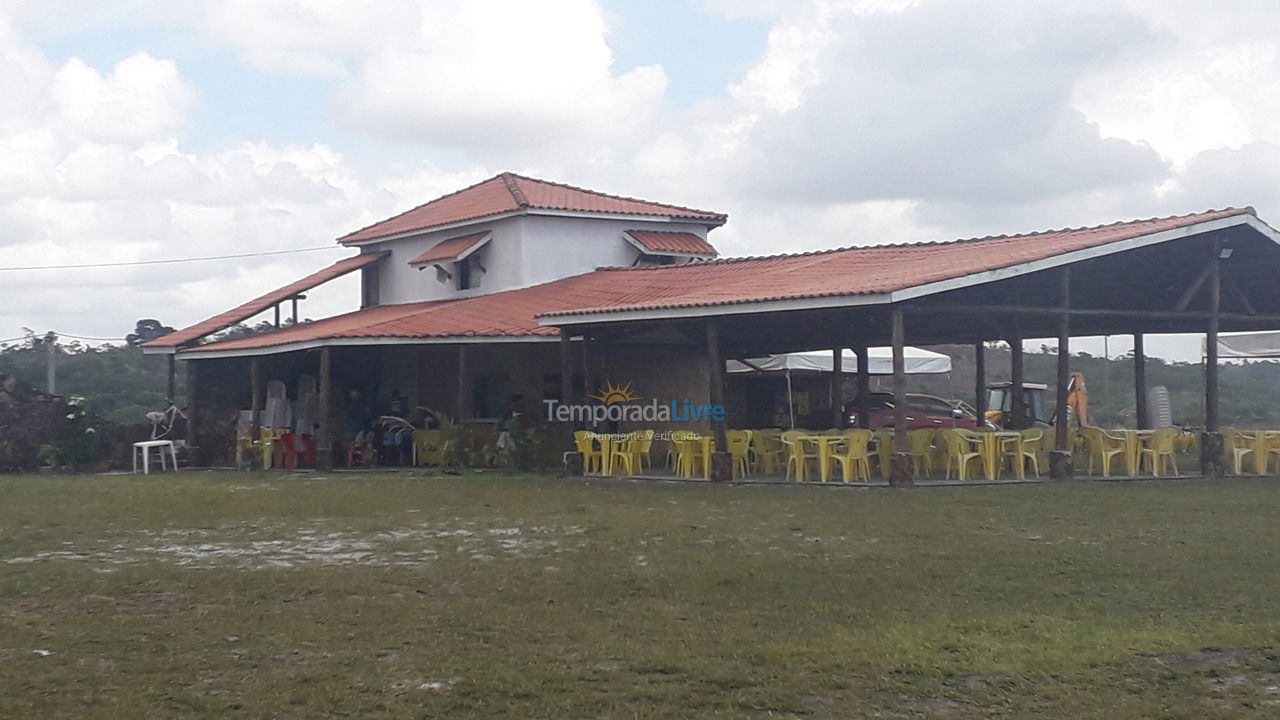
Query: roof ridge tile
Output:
(611,196)
(513,187)
(419,206)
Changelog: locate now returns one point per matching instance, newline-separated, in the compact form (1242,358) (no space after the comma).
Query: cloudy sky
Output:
(148,129)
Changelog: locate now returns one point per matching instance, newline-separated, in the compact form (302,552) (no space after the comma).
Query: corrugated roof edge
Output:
(1230,211)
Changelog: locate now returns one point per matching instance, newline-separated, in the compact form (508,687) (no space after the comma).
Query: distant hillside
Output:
(117,383)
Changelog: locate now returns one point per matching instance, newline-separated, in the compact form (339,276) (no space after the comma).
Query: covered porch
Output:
(1200,277)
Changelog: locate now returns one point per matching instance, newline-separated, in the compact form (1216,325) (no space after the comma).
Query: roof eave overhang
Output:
(193,354)
(433,229)
(632,217)
(707,221)
(162,350)
(916,291)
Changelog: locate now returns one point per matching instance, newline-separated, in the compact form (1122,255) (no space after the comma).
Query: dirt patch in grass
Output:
(261,545)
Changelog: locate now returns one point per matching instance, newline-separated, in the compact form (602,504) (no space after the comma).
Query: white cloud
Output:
(309,37)
(93,171)
(506,80)
(141,96)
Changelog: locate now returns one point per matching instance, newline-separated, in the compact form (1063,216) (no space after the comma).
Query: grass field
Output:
(235,595)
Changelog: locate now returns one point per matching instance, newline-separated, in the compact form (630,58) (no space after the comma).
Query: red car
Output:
(923,411)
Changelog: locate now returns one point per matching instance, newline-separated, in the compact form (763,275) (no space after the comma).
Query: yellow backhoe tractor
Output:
(1035,402)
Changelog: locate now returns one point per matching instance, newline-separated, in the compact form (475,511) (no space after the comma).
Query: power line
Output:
(41,336)
(82,337)
(168,261)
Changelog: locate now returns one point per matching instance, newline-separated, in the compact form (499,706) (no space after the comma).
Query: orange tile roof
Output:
(257,305)
(869,270)
(660,242)
(844,272)
(450,250)
(509,193)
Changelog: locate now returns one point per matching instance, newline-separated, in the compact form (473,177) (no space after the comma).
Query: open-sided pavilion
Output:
(1202,273)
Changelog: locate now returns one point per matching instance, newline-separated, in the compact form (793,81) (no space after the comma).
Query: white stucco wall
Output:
(400,283)
(556,247)
(524,250)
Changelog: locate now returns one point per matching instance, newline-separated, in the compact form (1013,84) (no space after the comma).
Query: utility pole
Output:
(51,372)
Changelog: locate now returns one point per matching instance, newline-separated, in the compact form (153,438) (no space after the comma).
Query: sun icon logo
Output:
(615,394)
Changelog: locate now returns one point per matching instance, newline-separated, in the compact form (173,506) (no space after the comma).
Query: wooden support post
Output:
(837,388)
(1060,459)
(980,382)
(1018,401)
(721,463)
(1212,448)
(1140,382)
(589,379)
(171,380)
(255,398)
(573,460)
(864,386)
(460,403)
(193,412)
(324,409)
(276,307)
(900,472)
(1212,421)
(566,368)
(295,309)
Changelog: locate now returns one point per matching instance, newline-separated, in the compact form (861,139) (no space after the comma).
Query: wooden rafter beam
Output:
(1194,288)
(1229,282)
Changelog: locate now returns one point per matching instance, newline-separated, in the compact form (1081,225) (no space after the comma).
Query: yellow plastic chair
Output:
(640,447)
(1272,449)
(854,457)
(1103,447)
(798,456)
(767,451)
(885,438)
(1160,450)
(938,458)
(688,459)
(592,460)
(739,442)
(622,456)
(960,453)
(920,447)
(1239,446)
(1031,449)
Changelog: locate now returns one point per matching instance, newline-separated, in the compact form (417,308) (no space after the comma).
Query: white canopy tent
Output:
(918,362)
(1249,345)
(879,360)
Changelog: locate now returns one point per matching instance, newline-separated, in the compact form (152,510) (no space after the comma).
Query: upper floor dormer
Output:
(511,231)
